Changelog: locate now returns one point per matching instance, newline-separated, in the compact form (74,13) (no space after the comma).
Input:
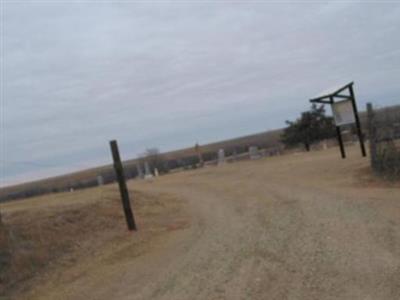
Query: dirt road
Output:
(302,226)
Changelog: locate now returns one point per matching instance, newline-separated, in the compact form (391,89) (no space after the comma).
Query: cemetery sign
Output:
(344,111)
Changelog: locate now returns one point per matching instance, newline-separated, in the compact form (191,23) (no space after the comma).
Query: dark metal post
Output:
(339,136)
(371,135)
(358,125)
(130,220)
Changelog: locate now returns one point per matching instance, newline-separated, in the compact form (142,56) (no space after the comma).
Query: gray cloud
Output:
(169,74)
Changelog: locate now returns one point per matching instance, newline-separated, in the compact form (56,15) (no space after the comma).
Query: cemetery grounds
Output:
(298,226)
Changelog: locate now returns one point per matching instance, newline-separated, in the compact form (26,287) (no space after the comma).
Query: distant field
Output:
(264,139)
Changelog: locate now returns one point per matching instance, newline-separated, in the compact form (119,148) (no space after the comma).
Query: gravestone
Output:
(156,174)
(221,156)
(147,173)
(100,180)
(234,155)
(139,170)
(325,145)
(253,152)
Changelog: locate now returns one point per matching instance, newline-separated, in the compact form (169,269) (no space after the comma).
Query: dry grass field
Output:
(299,226)
(48,234)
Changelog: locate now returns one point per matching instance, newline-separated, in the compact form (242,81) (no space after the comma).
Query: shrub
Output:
(387,161)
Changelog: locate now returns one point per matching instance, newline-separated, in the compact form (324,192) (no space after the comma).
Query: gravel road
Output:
(305,226)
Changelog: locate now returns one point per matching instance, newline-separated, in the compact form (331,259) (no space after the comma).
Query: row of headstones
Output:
(254,153)
(146,174)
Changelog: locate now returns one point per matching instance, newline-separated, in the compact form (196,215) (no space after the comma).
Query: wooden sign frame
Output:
(329,97)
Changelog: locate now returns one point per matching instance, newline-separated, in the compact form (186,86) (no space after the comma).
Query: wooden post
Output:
(340,140)
(130,220)
(358,124)
(371,135)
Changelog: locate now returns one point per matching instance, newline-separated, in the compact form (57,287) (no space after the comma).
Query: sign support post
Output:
(340,140)
(358,124)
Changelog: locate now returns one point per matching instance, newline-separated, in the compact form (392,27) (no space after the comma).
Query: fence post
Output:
(130,220)
(371,135)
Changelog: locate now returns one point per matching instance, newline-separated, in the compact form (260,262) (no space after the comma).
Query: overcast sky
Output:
(168,74)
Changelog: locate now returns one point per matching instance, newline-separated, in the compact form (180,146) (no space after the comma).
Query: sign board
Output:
(343,112)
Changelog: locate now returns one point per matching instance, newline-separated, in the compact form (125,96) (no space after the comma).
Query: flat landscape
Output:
(298,226)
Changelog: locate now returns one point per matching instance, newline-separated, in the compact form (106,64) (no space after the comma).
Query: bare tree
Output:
(155,159)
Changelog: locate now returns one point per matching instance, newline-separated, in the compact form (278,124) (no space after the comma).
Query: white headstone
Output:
(221,156)
(100,180)
(156,172)
(234,155)
(147,173)
(253,152)
(139,170)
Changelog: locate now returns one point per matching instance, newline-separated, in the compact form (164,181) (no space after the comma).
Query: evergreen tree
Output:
(311,127)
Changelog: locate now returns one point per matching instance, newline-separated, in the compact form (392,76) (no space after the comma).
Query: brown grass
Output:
(54,230)
(4,251)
